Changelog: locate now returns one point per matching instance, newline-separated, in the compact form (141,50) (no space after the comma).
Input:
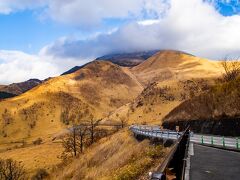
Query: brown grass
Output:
(119,156)
(36,156)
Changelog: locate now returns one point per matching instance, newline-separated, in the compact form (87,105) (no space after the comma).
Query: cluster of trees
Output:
(84,135)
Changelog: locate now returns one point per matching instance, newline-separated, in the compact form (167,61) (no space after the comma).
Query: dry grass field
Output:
(100,90)
(119,156)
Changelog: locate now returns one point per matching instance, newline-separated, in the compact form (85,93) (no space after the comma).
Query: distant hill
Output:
(74,69)
(19,88)
(121,59)
(128,59)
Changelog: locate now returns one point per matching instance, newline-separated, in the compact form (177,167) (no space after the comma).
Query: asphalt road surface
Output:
(209,163)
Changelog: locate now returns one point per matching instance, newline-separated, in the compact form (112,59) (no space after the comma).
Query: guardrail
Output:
(220,141)
(155,132)
(205,139)
(176,160)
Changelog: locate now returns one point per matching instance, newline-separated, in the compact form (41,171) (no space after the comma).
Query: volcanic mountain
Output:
(121,59)
(128,59)
(175,65)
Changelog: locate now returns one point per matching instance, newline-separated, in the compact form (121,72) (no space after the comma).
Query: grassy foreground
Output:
(119,157)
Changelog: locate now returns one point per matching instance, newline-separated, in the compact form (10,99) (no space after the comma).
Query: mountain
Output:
(121,59)
(168,79)
(19,88)
(169,64)
(93,91)
(99,90)
(128,59)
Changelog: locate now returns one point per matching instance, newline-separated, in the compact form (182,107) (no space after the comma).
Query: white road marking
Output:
(191,150)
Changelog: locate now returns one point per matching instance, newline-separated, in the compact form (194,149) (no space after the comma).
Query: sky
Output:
(43,38)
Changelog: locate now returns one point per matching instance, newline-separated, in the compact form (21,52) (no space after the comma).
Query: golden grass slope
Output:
(93,91)
(168,78)
(175,65)
(119,156)
(143,94)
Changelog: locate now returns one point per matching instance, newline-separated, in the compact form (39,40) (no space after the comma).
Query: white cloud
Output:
(193,26)
(16,66)
(90,13)
(148,22)
(9,6)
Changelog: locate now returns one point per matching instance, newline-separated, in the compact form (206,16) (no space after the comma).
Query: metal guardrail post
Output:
(212,140)
(237,143)
(202,139)
(223,141)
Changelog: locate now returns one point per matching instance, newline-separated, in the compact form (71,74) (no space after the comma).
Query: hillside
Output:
(216,111)
(119,156)
(93,91)
(99,90)
(167,65)
(168,78)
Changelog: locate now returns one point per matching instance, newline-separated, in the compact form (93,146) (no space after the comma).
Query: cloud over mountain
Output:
(105,26)
(193,26)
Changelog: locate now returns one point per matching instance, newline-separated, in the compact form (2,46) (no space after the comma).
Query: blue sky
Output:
(56,35)
(228,8)
(25,30)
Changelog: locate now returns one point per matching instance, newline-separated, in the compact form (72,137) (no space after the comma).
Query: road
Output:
(209,163)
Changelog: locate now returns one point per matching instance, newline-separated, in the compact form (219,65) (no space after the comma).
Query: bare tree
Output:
(73,142)
(81,133)
(92,125)
(69,142)
(11,170)
(231,68)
